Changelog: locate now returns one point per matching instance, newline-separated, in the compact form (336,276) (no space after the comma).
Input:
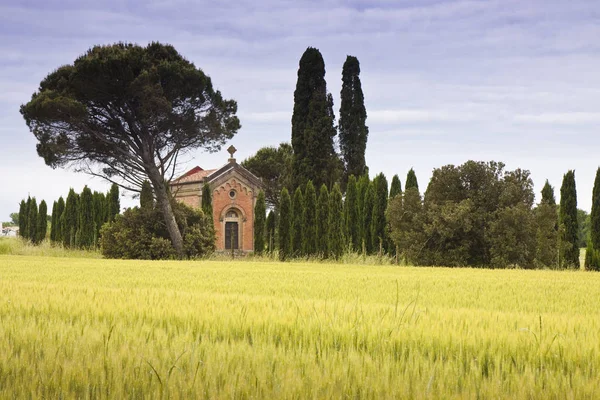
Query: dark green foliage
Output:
(113,203)
(86,232)
(141,234)
(548,194)
(353,115)
(351,215)
(297,213)
(23,214)
(273,165)
(14,219)
(396,187)
(593,252)
(60,208)
(129,111)
(546,222)
(361,191)
(69,220)
(335,232)
(285,224)
(32,221)
(378,221)
(260,210)
(404,214)
(584,222)
(313,127)
(271,231)
(42,223)
(99,213)
(411,180)
(309,221)
(569,249)
(147,195)
(207,206)
(369,241)
(322,221)
(53,222)
(512,237)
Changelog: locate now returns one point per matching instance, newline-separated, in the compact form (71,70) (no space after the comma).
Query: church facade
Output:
(234,193)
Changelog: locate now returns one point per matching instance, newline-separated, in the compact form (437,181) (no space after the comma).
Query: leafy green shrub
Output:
(142,234)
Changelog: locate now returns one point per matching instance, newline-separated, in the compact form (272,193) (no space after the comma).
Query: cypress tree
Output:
(207,207)
(592,259)
(99,213)
(32,221)
(22,218)
(86,232)
(69,219)
(568,222)
(114,204)
(361,192)
(352,229)
(546,220)
(322,221)
(368,205)
(271,229)
(353,117)
(59,225)
(309,221)
(260,210)
(548,194)
(42,222)
(335,232)
(146,196)
(297,211)
(396,187)
(26,220)
(285,222)
(53,222)
(313,127)
(411,180)
(378,221)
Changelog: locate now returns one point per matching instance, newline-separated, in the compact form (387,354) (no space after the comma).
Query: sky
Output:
(444,81)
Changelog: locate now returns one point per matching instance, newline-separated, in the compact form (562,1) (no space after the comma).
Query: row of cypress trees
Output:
(75,223)
(33,221)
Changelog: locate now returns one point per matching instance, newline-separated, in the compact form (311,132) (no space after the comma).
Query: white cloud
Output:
(567,118)
(400,116)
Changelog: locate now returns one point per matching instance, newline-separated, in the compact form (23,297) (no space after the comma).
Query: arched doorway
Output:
(232,229)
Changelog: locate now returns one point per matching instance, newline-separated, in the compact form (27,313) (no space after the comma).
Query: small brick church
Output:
(234,192)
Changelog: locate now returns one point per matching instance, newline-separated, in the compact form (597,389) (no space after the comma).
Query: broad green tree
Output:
(313,128)
(569,247)
(352,123)
(335,232)
(285,224)
(309,221)
(322,221)
(125,113)
(260,210)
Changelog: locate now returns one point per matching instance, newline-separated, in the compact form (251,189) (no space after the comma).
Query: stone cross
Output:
(231,150)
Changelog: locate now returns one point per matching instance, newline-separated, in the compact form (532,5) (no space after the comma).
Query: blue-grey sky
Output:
(445,81)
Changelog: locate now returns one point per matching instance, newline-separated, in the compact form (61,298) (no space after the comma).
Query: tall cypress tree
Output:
(53,222)
(368,205)
(25,232)
(99,212)
(396,187)
(86,233)
(59,225)
(351,229)
(378,221)
(69,219)
(42,222)
(353,117)
(335,233)
(309,221)
(361,193)
(411,180)
(297,211)
(271,230)
(592,257)
(313,127)
(23,218)
(546,221)
(32,221)
(322,221)
(568,222)
(146,196)
(548,194)
(260,210)
(114,204)
(285,222)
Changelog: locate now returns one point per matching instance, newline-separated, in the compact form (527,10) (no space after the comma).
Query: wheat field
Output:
(93,328)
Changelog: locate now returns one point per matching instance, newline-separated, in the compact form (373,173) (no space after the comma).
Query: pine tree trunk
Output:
(164,203)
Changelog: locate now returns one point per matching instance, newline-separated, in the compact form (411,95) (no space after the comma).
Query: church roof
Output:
(195,174)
